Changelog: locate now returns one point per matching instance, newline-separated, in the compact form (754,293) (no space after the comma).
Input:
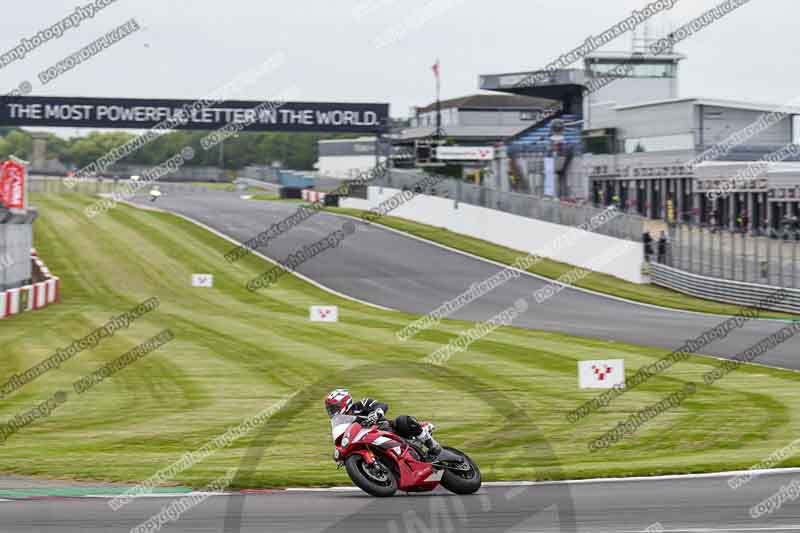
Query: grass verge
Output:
(276,198)
(222,186)
(236,353)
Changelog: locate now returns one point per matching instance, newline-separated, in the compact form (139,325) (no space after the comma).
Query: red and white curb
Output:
(31,297)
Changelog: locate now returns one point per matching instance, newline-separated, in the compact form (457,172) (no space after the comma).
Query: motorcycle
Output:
(380,462)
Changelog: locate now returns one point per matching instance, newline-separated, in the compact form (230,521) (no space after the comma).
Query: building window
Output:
(641,70)
(795,129)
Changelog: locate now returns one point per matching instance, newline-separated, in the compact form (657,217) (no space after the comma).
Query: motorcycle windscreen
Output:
(339,425)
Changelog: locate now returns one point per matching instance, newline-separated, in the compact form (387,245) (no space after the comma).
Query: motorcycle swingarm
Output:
(447,455)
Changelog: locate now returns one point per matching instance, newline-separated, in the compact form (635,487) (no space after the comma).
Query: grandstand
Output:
(632,139)
(537,139)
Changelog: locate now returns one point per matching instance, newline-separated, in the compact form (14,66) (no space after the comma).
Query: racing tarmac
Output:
(696,505)
(383,267)
(392,270)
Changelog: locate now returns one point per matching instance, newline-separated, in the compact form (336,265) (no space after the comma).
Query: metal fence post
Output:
(780,263)
(768,260)
(720,258)
(668,259)
(701,248)
(712,252)
(744,255)
(756,264)
(794,263)
(686,245)
(733,256)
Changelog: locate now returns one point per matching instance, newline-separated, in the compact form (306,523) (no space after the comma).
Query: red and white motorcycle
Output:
(380,462)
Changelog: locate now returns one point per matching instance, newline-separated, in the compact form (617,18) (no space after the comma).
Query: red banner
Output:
(12,185)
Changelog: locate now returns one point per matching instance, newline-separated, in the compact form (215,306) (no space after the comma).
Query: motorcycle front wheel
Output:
(463,478)
(376,479)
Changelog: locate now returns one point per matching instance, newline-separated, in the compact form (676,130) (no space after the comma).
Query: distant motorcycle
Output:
(380,462)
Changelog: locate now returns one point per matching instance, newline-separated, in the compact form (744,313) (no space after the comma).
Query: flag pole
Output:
(438,102)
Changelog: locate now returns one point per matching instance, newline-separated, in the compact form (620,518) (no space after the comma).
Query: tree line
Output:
(295,150)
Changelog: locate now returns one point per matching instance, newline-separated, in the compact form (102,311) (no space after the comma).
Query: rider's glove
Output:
(374,416)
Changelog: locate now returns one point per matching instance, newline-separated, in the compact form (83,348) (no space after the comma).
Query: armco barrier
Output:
(735,292)
(34,296)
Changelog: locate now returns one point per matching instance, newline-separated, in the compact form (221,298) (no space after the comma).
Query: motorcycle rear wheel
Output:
(378,481)
(462,481)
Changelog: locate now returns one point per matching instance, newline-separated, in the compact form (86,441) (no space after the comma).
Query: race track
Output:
(383,267)
(693,505)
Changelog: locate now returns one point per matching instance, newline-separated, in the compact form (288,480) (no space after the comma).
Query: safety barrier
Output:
(313,196)
(625,226)
(38,184)
(736,256)
(722,290)
(31,297)
(269,187)
(591,250)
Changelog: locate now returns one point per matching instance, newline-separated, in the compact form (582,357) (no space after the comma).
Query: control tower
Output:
(620,79)
(607,80)
(586,104)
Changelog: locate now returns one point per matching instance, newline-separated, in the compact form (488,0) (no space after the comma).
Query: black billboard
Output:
(135,113)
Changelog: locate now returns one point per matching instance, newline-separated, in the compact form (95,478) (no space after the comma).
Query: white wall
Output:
(719,123)
(580,248)
(346,166)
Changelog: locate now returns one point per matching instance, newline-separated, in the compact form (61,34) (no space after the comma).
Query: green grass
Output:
(217,186)
(236,353)
(276,198)
(650,294)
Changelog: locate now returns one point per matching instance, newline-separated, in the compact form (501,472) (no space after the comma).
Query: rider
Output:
(372,411)
(155,192)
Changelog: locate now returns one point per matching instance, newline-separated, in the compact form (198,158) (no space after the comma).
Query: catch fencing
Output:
(624,226)
(106,186)
(724,290)
(733,256)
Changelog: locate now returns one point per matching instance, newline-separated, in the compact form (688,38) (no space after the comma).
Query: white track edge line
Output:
(671,477)
(581,289)
(377,306)
(262,256)
(543,278)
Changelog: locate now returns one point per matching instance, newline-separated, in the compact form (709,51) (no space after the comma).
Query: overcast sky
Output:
(340,51)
